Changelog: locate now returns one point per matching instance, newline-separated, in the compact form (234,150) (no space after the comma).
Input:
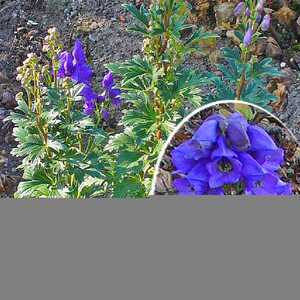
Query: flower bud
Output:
(265,25)
(247,12)
(248,37)
(238,9)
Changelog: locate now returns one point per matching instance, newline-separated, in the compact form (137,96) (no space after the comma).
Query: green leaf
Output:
(129,187)
(140,15)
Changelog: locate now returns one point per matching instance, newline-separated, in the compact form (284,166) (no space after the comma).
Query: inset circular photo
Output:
(229,148)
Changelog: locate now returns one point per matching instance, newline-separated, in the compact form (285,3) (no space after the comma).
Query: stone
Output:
(273,49)
(8,100)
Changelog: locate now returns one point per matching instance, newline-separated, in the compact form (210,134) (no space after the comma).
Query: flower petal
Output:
(82,74)
(78,53)
(250,166)
(182,186)
(222,150)
(270,159)
(259,139)
(207,133)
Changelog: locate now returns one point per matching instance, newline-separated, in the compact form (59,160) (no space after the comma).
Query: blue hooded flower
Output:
(229,152)
(223,171)
(259,139)
(198,177)
(186,155)
(248,37)
(239,9)
(262,185)
(207,134)
(269,159)
(105,114)
(266,22)
(79,54)
(66,65)
(183,186)
(89,107)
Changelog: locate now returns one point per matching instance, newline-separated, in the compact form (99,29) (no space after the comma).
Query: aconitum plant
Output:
(74,65)
(228,155)
(244,73)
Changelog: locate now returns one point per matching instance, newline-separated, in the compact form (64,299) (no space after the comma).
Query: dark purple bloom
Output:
(183,186)
(105,114)
(101,98)
(265,24)
(226,152)
(238,9)
(207,134)
(224,171)
(248,37)
(237,135)
(89,107)
(116,101)
(248,12)
(222,150)
(261,185)
(269,159)
(78,53)
(283,188)
(66,65)
(186,155)
(89,94)
(198,177)
(114,93)
(82,73)
(259,139)
(108,81)
(250,166)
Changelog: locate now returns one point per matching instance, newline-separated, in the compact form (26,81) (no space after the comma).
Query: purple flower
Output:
(224,171)
(89,94)
(259,139)
(186,155)
(111,91)
(207,134)
(269,159)
(262,185)
(82,74)
(89,107)
(66,65)
(248,37)
(105,114)
(222,150)
(228,152)
(108,81)
(248,12)
(183,186)
(101,98)
(78,53)
(265,24)
(198,177)
(238,9)
(283,188)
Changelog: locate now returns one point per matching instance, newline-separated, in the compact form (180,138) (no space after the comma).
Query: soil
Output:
(289,172)
(102,25)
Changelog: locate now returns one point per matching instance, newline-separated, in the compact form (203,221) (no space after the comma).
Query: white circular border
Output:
(166,144)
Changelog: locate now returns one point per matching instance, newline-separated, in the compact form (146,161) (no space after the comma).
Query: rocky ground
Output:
(102,25)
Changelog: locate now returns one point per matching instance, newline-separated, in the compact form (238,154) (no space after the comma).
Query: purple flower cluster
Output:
(264,21)
(226,153)
(75,66)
